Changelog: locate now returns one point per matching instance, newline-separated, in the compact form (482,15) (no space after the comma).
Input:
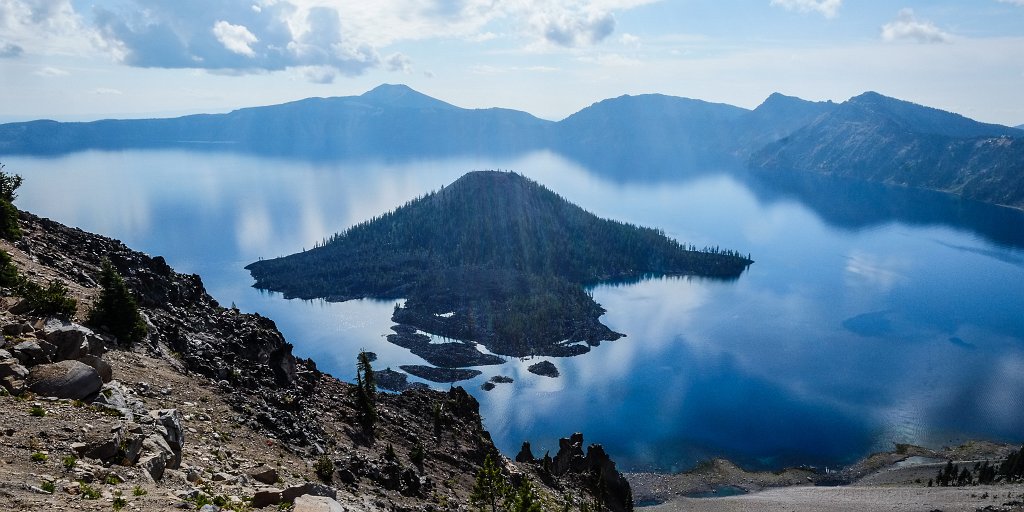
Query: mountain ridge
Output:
(875,138)
(644,137)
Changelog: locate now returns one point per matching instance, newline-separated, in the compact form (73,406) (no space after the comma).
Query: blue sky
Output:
(78,59)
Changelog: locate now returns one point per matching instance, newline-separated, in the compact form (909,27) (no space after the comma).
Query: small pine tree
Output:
(490,487)
(9,277)
(52,300)
(116,308)
(366,389)
(417,454)
(9,184)
(524,498)
(1013,467)
(324,468)
(965,478)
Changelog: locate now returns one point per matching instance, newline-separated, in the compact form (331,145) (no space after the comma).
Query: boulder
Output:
(221,476)
(266,496)
(101,447)
(102,367)
(155,444)
(114,396)
(154,465)
(33,352)
(311,488)
(12,368)
(307,503)
(13,385)
(264,474)
(12,373)
(133,439)
(71,337)
(69,340)
(17,329)
(346,476)
(171,421)
(65,379)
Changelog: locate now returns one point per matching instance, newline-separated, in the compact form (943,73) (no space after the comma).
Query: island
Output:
(493,260)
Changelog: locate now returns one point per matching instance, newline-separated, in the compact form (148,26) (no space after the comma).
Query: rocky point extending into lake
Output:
(494,259)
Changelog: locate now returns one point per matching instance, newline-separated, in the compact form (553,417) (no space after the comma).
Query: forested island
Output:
(495,259)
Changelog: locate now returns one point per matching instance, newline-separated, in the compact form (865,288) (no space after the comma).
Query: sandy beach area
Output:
(857,499)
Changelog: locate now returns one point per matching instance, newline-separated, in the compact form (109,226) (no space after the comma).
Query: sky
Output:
(93,59)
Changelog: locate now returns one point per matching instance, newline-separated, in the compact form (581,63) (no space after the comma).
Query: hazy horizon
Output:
(92,59)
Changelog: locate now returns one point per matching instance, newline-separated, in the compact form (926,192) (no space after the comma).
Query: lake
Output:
(872,315)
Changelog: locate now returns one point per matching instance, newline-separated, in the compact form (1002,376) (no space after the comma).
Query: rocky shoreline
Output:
(892,480)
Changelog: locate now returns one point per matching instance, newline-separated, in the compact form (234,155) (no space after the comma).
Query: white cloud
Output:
(908,27)
(50,71)
(319,74)
(629,40)
(107,91)
(399,62)
(485,69)
(1013,2)
(45,27)
(568,28)
(235,38)
(611,60)
(827,8)
(252,36)
(481,37)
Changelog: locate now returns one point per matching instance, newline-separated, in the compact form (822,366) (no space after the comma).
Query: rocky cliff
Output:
(213,409)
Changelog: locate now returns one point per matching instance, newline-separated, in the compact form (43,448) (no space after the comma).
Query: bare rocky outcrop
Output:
(594,470)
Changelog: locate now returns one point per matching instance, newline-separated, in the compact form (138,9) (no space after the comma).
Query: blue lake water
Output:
(872,315)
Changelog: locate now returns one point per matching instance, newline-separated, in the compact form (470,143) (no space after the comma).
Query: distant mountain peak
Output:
(778,100)
(916,118)
(778,96)
(401,95)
